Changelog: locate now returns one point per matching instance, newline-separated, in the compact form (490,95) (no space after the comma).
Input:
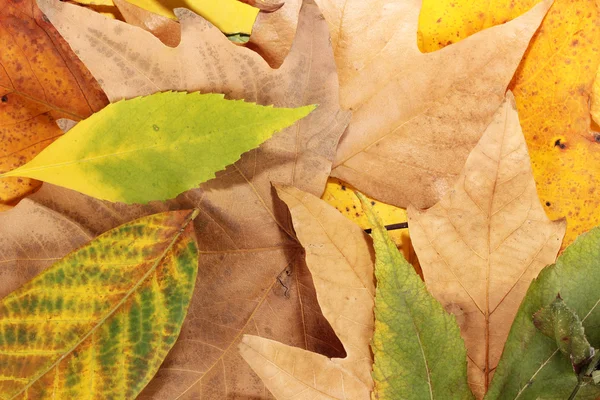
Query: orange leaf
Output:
(552,89)
(41,80)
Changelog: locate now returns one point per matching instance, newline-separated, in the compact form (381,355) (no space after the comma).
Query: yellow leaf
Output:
(485,241)
(341,196)
(98,323)
(551,88)
(230,16)
(340,258)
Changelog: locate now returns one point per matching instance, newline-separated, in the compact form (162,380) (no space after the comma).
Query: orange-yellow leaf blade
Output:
(98,323)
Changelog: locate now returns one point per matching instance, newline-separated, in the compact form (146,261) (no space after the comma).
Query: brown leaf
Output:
(411,108)
(41,80)
(485,241)
(340,258)
(167,30)
(252,278)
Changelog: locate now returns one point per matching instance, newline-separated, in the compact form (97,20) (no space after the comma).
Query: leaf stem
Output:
(576,389)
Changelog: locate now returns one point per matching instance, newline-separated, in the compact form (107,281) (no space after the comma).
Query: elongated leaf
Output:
(340,259)
(419,353)
(532,366)
(155,147)
(99,322)
(484,242)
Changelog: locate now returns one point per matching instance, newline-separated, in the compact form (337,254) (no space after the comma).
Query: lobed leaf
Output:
(155,147)
(339,257)
(484,242)
(98,323)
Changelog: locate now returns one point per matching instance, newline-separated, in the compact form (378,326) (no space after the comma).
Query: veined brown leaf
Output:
(99,322)
(252,278)
(485,241)
(339,256)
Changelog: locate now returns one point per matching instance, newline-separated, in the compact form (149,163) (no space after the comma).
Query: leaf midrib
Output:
(134,289)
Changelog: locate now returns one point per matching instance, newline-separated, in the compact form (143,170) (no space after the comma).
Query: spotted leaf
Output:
(100,321)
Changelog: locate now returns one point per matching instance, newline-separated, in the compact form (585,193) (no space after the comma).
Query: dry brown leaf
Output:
(340,258)
(485,241)
(167,30)
(252,277)
(411,108)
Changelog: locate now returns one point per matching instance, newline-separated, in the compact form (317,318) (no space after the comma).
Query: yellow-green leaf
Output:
(155,147)
(98,323)
(418,351)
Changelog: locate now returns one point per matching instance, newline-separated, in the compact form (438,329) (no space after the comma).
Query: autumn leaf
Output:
(41,80)
(484,242)
(563,325)
(164,28)
(532,366)
(99,322)
(552,88)
(418,350)
(339,256)
(230,16)
(147,148)
(252,277)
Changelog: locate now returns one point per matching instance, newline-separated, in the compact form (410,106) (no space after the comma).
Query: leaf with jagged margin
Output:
(98,323)
(532,365)
(419,353)
(155,147)
(339,257)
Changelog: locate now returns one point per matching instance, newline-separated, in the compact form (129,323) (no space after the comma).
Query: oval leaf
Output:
(155,147)
(99,322)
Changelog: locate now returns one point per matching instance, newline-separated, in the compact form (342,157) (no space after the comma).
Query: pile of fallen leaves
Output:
(200,232)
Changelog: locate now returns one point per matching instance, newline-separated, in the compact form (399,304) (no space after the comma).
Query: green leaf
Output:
(560,323)
(532,365)
(418,351)
(98,323)
(155,147)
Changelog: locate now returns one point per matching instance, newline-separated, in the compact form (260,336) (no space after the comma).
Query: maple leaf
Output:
(339,256)
(408,107)
(252,277)
(484,242)
(552,87)
(41,80)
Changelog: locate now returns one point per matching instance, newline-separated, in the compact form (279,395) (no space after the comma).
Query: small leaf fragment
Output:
(98,323)
(562,324)
(418,351)
(155,147)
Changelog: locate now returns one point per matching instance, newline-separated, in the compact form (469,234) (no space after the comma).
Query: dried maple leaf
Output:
(552,88)
(411,108)
(484,242)
(41,80)
(252,277)
(340,257)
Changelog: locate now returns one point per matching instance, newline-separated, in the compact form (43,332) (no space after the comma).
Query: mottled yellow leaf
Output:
(484,242)
(98,323)
(552,87)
